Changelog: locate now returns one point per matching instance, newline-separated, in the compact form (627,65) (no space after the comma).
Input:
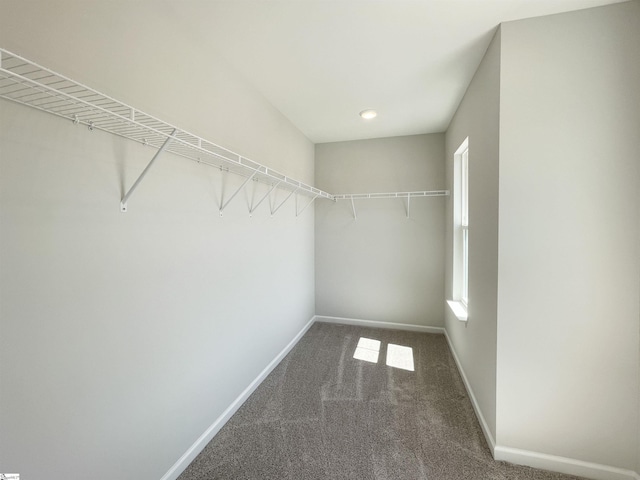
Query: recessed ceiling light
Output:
(368,114)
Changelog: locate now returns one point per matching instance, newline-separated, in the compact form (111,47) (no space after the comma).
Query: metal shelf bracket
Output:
(273,212)
(123,202)
(298,213)
(273,187)
(249,178)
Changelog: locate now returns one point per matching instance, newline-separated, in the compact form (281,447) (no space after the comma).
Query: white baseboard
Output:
(521,457)
(193,451)
(570,466)
(541,461)
(376,324)
(476,407)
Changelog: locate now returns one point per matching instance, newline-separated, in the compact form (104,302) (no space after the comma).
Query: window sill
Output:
(459,310)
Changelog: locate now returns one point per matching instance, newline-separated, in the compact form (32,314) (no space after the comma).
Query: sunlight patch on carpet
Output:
(400,357)
(367,350)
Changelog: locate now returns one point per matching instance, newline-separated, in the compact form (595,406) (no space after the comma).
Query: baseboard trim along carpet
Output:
(512,455)
(193,451)
(476,407)
(377,324)
(570,466)
(541,461)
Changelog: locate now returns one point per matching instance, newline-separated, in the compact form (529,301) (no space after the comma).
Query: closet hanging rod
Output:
(30,84)
(407,195)
(358,196)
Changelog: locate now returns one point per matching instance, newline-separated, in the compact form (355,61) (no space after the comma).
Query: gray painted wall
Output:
(554,182)
(124,336)
(384,266)
(477,117)
(569,266)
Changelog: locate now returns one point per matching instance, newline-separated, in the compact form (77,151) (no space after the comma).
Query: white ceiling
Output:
(322,62)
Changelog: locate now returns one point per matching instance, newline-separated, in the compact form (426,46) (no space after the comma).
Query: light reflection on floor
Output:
(367,350)
(398,356)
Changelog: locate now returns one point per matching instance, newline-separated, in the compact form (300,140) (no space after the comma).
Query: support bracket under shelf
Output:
(123,202)
(249,178)
(273,187)
(298,213)
(273,212)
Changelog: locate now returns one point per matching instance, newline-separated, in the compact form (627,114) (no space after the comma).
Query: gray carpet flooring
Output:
(323,414)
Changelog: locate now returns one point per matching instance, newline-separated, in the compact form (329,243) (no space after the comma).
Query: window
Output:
(464,226)
(460,302)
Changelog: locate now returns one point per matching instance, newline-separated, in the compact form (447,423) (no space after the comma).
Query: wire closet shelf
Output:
(30,84)
(357,196)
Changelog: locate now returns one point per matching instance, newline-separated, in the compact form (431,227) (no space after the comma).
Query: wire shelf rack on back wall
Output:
(30,84)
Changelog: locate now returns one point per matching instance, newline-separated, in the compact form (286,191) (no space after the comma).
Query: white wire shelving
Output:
(408,195)
(30,84)
(357,196)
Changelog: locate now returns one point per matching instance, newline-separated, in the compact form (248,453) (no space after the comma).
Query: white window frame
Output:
(464,227)
(460,288)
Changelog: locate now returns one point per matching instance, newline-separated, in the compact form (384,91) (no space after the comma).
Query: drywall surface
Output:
(384,266)
(124,336)
(569,262)
(477,118)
